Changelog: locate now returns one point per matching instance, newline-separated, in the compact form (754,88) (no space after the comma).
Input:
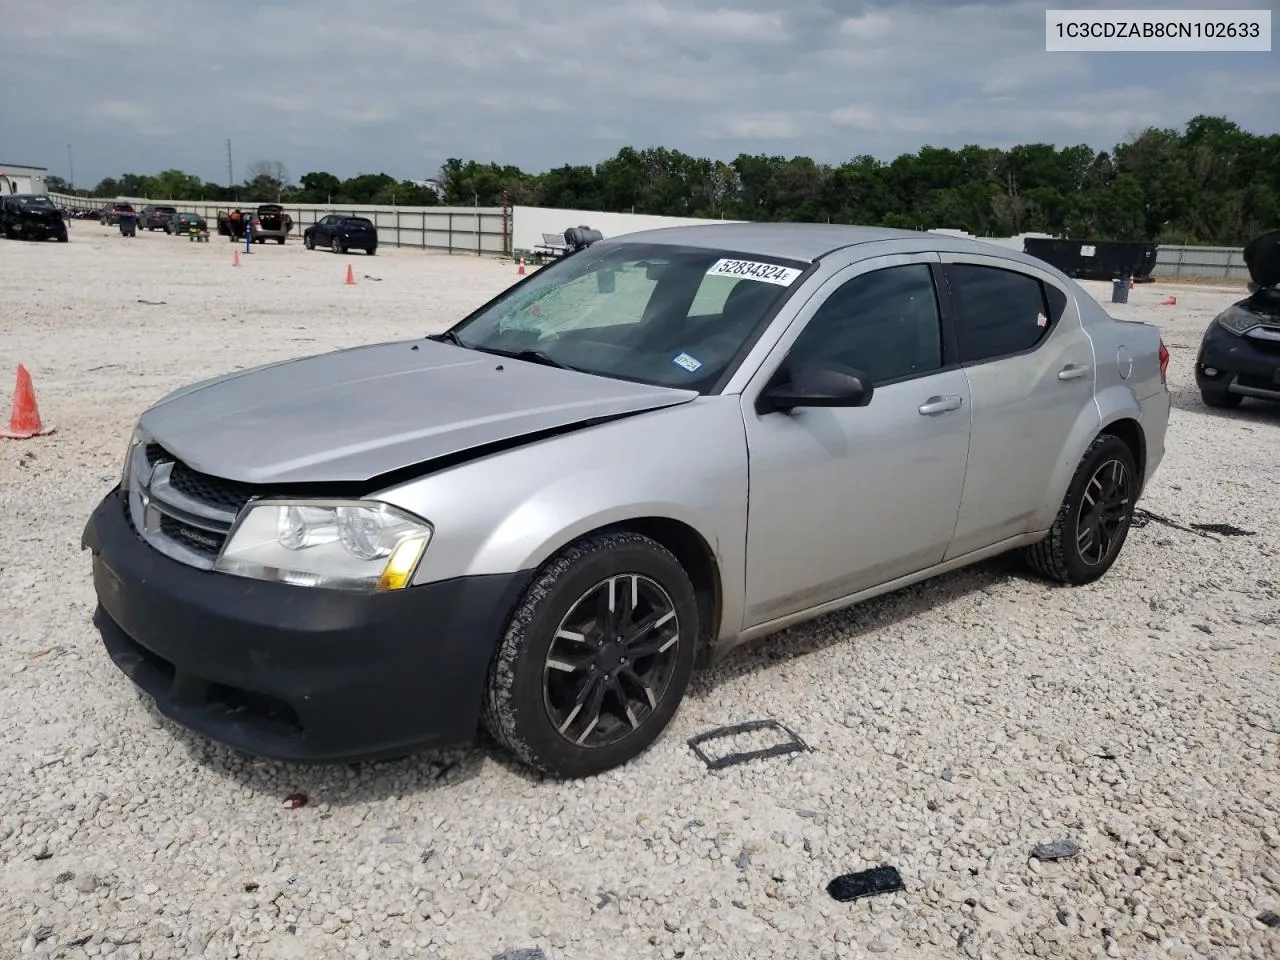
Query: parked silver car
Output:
(625,465)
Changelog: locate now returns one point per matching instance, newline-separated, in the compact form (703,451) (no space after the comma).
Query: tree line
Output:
(1211,182)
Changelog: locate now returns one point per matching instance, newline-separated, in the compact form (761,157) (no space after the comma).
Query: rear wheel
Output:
(596,657)
(1220,399)
(371,251)
(1094,519)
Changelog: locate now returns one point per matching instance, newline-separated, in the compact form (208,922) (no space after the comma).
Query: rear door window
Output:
(1001,312)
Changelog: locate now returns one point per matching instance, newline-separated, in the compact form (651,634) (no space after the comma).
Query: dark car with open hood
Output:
(31,217)
(1240,352)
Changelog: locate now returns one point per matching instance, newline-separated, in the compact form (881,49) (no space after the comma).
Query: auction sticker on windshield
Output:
(755,270)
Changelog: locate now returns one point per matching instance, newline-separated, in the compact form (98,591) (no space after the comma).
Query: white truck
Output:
(20,181)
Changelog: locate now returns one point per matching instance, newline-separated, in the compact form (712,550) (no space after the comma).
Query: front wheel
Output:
(308,242)
(1094,519)
(335,245)
(596,657)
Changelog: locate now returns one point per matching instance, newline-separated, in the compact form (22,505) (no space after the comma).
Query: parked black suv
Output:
(1239,354)
(155,217)
(27,216)
(341,233)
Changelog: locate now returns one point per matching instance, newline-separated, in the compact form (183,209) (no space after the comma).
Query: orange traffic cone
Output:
(520,272)
(235,259)
(1169,302)
(25,421)
(1131,283)
(351,277)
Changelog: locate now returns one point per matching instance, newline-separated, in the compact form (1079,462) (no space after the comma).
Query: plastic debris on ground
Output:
(865,883)
(786,742)
(1058,850)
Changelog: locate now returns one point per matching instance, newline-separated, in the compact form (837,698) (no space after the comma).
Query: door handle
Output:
(1073,371)
(936,405)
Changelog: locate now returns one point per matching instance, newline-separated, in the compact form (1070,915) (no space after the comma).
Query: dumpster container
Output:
(1120,290)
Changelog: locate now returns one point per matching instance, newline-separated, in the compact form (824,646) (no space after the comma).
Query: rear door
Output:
(1030,369)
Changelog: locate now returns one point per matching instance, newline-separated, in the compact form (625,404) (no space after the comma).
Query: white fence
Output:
(491,231)
(478,230)
(1201,263)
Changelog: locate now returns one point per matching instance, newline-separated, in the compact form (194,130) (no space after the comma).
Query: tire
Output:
(371,251)
(529,701)
(336,245)
(63,237)
(1220,399)
(1066,555)
(308,242)
(280,240)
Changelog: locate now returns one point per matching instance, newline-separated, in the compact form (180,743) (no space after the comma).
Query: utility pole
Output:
(230,175)
(71,169)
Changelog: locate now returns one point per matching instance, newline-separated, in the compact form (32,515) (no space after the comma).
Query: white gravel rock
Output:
(954,725)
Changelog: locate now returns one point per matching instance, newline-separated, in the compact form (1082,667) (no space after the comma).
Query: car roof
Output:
(810,241)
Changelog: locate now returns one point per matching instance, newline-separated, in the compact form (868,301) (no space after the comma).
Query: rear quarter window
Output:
(1001,312)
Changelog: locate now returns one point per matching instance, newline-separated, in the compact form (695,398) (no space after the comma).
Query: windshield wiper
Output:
(448,337)
(533,356)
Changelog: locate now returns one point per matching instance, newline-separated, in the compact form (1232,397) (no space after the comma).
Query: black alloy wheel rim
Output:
(611,660)
(1104,511)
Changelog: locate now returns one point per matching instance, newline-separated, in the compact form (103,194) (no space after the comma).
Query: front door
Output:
(843,499)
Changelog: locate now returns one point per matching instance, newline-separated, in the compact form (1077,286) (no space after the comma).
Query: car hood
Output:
(355,414)
(1262,257)
(1262,305)
(35,212)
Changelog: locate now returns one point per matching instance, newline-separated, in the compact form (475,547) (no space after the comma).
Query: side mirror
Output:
(820,383)
(606,281)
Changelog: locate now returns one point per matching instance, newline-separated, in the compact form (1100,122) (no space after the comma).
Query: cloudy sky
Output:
(399,85)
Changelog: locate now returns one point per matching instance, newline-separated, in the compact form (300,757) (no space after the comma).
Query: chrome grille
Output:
(184,514)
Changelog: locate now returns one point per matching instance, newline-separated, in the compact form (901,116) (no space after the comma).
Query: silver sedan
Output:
(633,460)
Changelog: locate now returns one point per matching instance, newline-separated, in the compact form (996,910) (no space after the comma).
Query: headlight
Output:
(1238,321)
(126,470)
(340,544)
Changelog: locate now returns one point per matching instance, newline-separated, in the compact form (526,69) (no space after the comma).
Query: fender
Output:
(1109,405)
(514,509)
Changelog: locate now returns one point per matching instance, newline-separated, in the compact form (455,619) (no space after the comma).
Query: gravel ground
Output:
(954,726)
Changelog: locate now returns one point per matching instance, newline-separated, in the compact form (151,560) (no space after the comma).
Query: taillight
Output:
(1164,360)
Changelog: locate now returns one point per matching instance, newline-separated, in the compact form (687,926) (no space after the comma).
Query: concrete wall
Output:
(530,223)
(1013,243)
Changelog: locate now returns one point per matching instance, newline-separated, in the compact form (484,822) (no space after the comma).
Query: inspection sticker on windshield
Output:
(688,362)
(754,270)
